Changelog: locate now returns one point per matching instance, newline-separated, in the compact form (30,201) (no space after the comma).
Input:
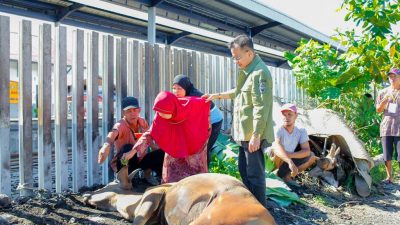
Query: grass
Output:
(378,173)
(321,200)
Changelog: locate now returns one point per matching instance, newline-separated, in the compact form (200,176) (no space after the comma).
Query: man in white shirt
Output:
(288,161)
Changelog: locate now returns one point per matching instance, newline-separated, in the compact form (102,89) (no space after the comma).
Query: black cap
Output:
(130,103)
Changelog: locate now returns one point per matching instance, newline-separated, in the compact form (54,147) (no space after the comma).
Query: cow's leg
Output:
(151,201)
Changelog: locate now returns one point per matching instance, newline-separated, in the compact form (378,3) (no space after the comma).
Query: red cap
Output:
(290,107)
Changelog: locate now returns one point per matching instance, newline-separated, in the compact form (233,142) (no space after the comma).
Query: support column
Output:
(151,27)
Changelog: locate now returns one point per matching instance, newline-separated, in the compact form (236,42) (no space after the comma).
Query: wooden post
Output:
(133,73)
(44,106)
(118,111)
(156,75)
(108,103)
(5,174)
(92,112)
(25,109)
(78,113)
(123,69)
(148,73)
(61,107)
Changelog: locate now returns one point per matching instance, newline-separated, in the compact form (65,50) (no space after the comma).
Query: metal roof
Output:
(204,25)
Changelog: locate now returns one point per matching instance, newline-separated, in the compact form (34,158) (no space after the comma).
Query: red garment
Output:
(187,131)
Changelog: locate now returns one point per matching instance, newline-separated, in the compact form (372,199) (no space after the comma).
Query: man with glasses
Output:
(252,115)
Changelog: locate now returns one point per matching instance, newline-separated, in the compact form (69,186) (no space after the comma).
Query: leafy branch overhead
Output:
(326,73)
(347,81)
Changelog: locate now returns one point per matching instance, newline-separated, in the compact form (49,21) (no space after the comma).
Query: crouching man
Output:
(288,159)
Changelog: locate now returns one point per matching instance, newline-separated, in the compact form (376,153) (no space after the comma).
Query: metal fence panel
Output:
(108,106)
(92,121)
(25,109)
(44,109)
(61,111)
(78,112)
(5,173)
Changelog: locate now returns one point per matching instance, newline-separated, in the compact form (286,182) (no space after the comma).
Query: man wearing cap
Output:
(124,136)
(252,114)
(388,103)
(288,137)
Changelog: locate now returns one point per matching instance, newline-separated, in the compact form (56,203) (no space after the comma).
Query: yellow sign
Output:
(14,92)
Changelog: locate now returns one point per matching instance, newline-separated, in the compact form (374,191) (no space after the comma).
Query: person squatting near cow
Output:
(287,157)
(252,114)
(181,128)
(388,103)
(182,86)
(123,136)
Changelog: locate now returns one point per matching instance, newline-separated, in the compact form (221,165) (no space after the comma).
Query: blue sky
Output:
(321,15)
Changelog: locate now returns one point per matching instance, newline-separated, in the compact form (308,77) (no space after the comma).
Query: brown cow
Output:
(208,199)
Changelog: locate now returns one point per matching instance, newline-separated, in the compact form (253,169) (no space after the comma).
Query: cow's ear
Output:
(152,200)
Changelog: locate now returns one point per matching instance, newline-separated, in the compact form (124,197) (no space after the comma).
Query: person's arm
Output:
(280,152)
(222,95)
(304,152)
(140,147)
(382,103)
(261,94)
(105,149)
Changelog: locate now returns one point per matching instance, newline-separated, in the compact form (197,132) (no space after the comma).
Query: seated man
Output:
(283,153)
(124,136)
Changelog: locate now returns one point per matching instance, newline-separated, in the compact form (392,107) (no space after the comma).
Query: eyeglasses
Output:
(237,58)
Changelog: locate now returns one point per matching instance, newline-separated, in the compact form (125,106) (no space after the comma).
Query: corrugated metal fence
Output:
(126,67)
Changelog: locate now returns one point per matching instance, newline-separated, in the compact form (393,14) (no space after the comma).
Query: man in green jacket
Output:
(252,115)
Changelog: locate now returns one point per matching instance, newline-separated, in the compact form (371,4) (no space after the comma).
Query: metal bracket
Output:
(256,30)
(176,37)
(279,64)
(66,11)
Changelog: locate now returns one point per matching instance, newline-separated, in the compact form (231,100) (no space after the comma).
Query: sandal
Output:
(387,181)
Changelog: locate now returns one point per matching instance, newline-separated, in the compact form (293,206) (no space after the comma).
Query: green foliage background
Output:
(340,79)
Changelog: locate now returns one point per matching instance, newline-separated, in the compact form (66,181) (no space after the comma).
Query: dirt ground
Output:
(325,206)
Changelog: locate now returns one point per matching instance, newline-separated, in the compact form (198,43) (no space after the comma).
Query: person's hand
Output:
(254,143)
(293,168)
(209,97)
(385,99)
(103,153)
(128,155)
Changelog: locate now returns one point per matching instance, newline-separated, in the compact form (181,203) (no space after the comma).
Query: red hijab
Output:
(187,131)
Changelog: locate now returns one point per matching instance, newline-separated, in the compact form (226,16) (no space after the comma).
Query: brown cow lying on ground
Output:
(203,199)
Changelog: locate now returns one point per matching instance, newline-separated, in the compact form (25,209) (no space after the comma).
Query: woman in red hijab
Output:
(181,129)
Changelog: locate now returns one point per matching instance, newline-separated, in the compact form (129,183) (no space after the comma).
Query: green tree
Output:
(340,80)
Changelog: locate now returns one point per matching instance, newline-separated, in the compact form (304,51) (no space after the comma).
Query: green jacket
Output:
(252,111)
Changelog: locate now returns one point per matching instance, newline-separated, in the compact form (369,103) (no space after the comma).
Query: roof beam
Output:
(267,12)
(256,30)
(66,11)
(176,37)
(133,13)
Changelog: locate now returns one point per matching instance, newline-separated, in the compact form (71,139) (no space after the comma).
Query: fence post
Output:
(25,109)
(148,84)
(108,106)
(61,110)
(5,174)
(118,89)
(78,112)
(123,69)
(92,120)
(44,109)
